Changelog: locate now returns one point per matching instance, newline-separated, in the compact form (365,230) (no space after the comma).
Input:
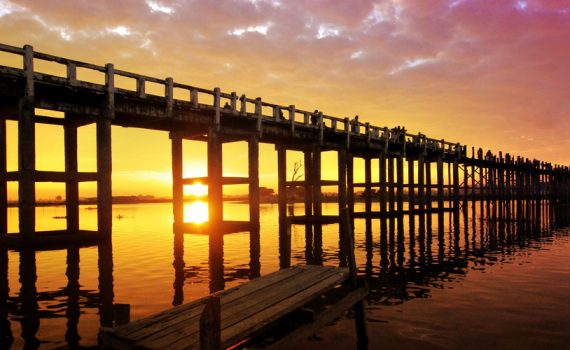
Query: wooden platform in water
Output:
(245,310)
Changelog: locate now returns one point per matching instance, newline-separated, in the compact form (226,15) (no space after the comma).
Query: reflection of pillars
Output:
(28,299)
(342,200)
(106,294)
(440,182)
(317,204)
(284,237)
(382,180)
(177,183)
(6,337)
(400,189)
(367,184)
(369,248)
(411,186)
(253,172)
(412,243)
(179,266)
(421,240)
(71,185)
(350,183)
(440,238)
(254,254)
(456,233)
(428,185)
(3,180)
(400,241)
(391,194)
(456,183)
(429,257)
(27,154)
(308,206)
(384,262)
(72,335)
(104,159)
(421,179)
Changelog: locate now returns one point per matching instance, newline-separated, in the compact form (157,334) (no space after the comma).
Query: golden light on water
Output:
(196,212)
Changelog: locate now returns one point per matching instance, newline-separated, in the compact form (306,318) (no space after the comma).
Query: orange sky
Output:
(493,74)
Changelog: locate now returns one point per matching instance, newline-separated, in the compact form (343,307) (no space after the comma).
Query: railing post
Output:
(233,102)
(141,87)
(292,118)
(194,98)
(169,95)
(243,107)
(72,73)
(217,108)
(258,114)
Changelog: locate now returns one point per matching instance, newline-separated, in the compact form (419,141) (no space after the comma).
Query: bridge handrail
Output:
(323,121)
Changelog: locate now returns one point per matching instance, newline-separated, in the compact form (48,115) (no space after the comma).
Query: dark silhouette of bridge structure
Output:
(217,117)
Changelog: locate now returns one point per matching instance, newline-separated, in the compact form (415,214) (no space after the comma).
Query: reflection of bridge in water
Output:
(417,253)
(515,198)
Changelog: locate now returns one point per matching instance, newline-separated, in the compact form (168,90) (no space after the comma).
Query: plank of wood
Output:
(154,323)
(323,318)
(184,333)
(261,319)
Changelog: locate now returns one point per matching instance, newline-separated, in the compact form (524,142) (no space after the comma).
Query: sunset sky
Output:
(492,74)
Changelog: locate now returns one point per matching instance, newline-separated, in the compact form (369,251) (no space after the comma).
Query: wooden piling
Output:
(253,172)
(440,183)
(215,174)
(421,180)
(177,182)
(411,187)
(367,184)
(391,185)
(400,188)
(308,191)
(428,185)
(456,183)
(71,185)
(3,180)
(382,180)
(350,183)
(104,156)
(27,151)
(284,237)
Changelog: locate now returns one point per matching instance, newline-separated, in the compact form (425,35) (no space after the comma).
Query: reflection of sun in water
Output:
(196,189)
(196,212)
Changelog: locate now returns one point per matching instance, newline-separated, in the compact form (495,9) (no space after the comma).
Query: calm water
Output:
(442,281)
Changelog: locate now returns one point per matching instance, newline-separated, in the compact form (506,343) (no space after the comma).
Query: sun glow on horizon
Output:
(197,190)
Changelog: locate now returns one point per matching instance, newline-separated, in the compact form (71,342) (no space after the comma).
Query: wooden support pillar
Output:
(382,180)
(350,183)
(27,151)
(421,180)
(411,185)
(342,176)
(449,185)
(104,158)
(466,184)
(215,174)
(368,184)
(455,183)
(177,183)
(71,185)
(440,182)
(316,172)
(428,185)
(400,188)
(284,236)
(391,185)
(308,158)
(3,180)
(253,172)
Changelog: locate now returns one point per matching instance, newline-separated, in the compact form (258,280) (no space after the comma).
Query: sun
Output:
(196,212)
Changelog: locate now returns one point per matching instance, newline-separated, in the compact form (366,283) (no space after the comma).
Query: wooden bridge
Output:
(216,117)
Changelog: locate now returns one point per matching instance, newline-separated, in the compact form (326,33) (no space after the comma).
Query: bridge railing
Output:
(222,102)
